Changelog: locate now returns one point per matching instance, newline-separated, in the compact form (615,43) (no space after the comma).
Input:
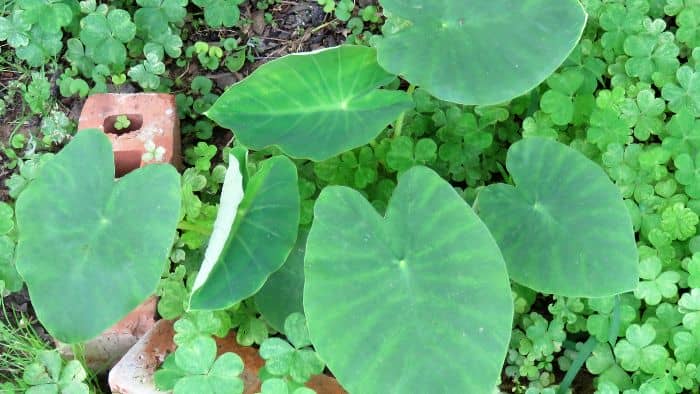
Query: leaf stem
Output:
(575,367)
(398,126)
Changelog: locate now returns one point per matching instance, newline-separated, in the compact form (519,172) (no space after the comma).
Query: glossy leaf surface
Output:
(424,286)
(312,105)
(257,241)
(283,292)
(478,52)
(563,228)
(98,248)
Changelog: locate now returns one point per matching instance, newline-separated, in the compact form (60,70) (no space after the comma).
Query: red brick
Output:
(153,118)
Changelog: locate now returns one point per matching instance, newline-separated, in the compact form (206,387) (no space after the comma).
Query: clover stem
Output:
(398,126)
(78,350)
(193,227)
(576,365)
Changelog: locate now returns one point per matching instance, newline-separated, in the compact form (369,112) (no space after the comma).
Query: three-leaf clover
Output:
(558,102)
(687,95)
(173,294)
(194,368)
(651,54)
(682,136)
(689,306)
(249,328)
(637,352)
(602,362)
(655,284)
(404,153)
(688,21)
(688,173)
(694,271)
(104,37)
(679,222)
(122,122)
(220,12)
(152,152)
(48,374)
(296,360)
(147,73)
(154,16)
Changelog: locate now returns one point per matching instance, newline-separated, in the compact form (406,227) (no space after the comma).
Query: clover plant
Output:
(50,374)
(194,367)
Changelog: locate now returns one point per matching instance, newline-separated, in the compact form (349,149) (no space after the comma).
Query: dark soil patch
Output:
(18,305)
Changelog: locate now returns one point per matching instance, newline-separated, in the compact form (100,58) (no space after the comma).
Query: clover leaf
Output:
(655,284)
(688,173)
(281,386)
(687,346)
(600,323)
(607,127)
(201,324)
(405,153)
(15,30)
(602,362)
(681,136)
(48,15)
(154,16)
(249,328)
(164,41)
(694,271)
(194,368)
(147,73)
(558,102)
(297,360)
(687,95)
(546,337)
(679,222)
(689,306)
(220,12)
(104,37)
(173,294)
(644,114)
(688,21)
(48,374)
(636,351)
(42,45)
(8,272)
(651,54)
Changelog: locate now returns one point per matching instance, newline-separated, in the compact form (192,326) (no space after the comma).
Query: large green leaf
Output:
(251,240)
(312,105)
(409,302)
(478,52)
(282,294)
(563,228)
(91,249)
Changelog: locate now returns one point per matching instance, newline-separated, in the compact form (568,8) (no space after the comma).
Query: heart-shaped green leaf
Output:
(424,286)
(251,240)
(282,294)
(312,105)
(564,228)
(478,52)
(96,249)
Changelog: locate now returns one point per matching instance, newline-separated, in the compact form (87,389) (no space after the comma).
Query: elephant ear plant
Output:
(387,296)
(71,252)
(373,283)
